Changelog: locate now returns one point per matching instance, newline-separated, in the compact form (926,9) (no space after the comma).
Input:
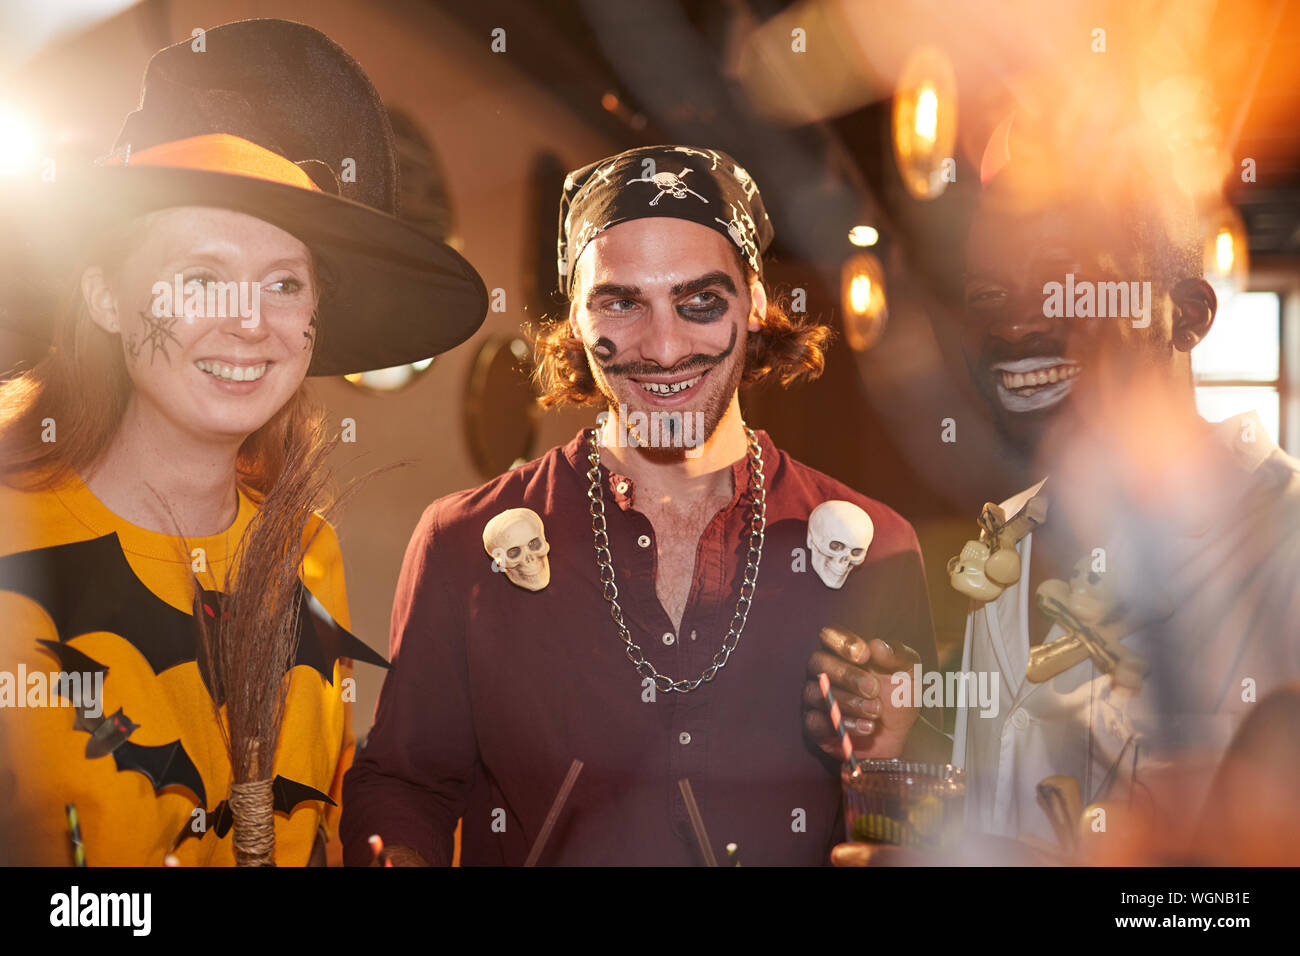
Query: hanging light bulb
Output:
(862,283)
(1225,252)
(925,123)
(864,236)
(1223,256)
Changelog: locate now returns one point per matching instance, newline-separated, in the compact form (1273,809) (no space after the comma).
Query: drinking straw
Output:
(838,720)
(697,822)
(557,805)
(377,848)
(74,831)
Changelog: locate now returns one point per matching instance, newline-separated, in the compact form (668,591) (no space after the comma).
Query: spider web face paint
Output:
(158,332)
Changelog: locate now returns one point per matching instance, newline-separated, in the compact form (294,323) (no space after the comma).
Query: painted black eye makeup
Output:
(704,307)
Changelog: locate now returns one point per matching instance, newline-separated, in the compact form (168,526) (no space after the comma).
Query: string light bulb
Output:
(925,123)
(862,282)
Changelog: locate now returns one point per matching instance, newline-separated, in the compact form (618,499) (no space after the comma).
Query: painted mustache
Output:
(603,351)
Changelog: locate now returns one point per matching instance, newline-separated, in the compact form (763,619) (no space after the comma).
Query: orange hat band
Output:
(221,153)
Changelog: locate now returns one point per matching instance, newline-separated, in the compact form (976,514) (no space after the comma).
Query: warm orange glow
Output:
(860,293)
(1225,252)
(1223,256)
(926,123)
(863,301)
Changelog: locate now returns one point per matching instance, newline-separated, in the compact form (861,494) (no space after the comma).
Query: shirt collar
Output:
(1245,436)
(1016,503)
(622,489)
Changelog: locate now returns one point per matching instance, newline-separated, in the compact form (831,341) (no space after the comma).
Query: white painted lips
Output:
(1033,384)
(232,373)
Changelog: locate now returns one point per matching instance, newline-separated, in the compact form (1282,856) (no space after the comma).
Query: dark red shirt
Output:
(495,689)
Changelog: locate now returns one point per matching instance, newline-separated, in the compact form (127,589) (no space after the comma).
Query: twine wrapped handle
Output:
(252,804)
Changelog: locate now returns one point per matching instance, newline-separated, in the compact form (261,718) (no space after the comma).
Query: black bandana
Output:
(676,182)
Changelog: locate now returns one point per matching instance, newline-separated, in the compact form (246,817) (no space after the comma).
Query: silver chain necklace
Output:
(609,590)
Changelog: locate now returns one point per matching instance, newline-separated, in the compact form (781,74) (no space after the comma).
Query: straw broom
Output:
(250,648)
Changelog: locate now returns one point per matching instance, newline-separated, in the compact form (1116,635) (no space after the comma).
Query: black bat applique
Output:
(166,765)
(286,795)
(89,586)
(321,641)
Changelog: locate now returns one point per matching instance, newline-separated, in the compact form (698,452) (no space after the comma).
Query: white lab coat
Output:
(1236,619)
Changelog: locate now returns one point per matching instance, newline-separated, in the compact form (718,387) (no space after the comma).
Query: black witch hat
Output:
(276,120)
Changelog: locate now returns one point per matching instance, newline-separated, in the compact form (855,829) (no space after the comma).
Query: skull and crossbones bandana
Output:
(676,182)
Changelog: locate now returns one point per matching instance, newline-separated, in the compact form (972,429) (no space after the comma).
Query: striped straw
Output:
(74,832)
(838,720)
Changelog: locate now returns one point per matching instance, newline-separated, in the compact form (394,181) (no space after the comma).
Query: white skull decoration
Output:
(516,540)
(839,533)
(968,574)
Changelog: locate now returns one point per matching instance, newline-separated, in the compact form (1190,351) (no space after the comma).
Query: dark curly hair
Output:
(788,348)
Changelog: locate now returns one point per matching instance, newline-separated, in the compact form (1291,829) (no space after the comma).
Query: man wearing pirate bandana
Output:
(653,598)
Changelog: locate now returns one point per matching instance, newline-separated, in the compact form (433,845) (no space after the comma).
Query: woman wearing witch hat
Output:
(241,236)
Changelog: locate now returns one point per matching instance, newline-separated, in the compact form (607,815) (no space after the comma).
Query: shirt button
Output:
(621,487)
(644,541)
(1020,719)
(669,637)
(683,738)
(692,633)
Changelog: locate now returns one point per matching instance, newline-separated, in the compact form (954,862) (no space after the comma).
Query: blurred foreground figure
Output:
(1138,601)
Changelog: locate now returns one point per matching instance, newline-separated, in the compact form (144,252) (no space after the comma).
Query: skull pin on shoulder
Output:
(516,541)
(839,533)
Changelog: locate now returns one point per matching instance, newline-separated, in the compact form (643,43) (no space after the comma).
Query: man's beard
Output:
(715,406)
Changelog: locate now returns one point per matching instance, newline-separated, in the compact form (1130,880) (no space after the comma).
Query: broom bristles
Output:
(253,645)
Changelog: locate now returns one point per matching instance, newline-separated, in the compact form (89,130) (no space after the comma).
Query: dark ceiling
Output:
(584,50)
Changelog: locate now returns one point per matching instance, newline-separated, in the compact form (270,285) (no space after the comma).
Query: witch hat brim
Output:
(391,296)
(257,123)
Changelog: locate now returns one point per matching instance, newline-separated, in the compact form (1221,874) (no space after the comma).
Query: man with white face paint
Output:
(685,599)
(1172,543)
